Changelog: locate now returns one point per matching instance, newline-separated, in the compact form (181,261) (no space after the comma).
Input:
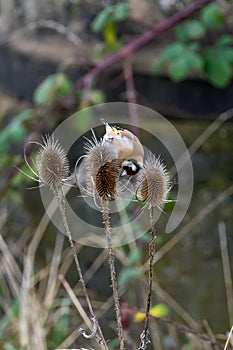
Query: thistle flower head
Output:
(52,163)
(153,182)
(102,169)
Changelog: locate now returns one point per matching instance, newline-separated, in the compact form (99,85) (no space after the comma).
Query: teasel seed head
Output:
(153,183)
(102,169)
(52,163)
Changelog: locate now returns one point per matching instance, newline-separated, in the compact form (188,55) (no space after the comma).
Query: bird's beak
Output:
(107,126)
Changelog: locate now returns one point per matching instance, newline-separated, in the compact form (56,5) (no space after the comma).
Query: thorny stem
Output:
(141,41)
(97,332)
(144,340)
(130,92)
(111,261)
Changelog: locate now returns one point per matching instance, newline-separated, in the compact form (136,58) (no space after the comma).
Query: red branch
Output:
(131,94)
(141,41)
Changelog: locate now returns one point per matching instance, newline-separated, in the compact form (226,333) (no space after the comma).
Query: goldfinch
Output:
(128,148)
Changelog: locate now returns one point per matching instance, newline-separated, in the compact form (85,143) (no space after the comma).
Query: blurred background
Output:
(54,63)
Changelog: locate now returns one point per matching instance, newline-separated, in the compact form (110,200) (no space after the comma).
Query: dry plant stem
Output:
(61,204)
(226,269)
(111,261)
(228,338)
(144,335)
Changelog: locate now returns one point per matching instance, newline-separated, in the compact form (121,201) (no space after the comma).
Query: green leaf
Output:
(97,97)
(127,275)
(134,256)
(114,343)
(23,116)
(159,310)
(225,40)
(54,85)
(212,16)
(63,84)
(218,70)
(190,30)
(43,94)
(60,330)
(172,51)
(121,12)
(227,54)
(97,25)
(180,60)
(110,14)
(168,207)
(219,73)
(194,61)
(15,131)
(178,70)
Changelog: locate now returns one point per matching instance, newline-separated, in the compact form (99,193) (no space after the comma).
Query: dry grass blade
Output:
(10,267)
(31,322)
(178,309)
(229,339)
(53,273)
(226,269)
(95,265)
(75,301)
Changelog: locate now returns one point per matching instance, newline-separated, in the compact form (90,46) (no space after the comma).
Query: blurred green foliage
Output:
(190,54)
(212,16)
(106,23)
(59,332)
(15,131)
(110,14)
(52,88)
(131,272)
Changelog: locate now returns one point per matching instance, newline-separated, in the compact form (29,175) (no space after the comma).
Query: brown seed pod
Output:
(153,182)
(106,179)
(102,169)
(52,163)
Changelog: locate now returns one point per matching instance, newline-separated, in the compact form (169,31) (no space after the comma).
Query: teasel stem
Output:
(111,261)
(144,340)
(97,332)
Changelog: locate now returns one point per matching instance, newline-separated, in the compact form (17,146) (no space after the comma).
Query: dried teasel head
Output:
(102,169)
(153,182)
(52,163)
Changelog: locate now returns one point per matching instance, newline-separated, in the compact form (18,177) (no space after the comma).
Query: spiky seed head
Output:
(52,163)
(102,169)
(153,182)
(106,180)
